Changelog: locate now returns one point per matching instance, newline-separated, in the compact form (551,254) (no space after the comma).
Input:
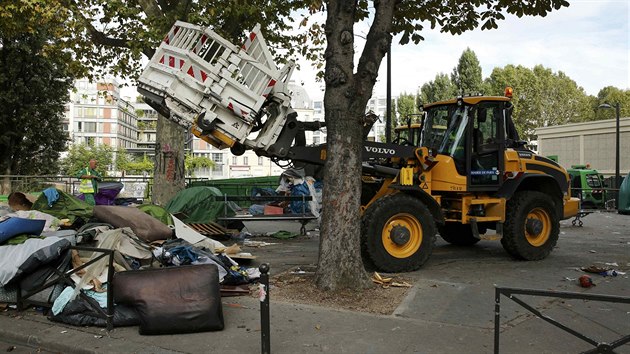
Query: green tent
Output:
(66,207)
(624,196)
(199,205)
(157,212)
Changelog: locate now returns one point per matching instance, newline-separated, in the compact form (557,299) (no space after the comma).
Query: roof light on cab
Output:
(508,92)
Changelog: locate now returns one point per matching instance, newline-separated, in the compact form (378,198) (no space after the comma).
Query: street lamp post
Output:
(388,109)
(618,113)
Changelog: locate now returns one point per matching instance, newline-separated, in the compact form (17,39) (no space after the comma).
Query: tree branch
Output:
(98,37)
(378,42)
(151,8)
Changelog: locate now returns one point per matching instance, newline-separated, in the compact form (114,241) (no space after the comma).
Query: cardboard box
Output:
(273,210)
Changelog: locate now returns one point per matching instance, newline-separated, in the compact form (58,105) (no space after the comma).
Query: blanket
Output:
(20,260)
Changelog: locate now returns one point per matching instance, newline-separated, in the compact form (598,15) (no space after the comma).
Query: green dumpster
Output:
(624,196)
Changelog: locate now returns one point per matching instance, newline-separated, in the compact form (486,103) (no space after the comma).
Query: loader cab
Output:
(472,131)
(408,134)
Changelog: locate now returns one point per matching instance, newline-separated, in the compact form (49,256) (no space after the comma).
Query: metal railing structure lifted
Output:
(599,347)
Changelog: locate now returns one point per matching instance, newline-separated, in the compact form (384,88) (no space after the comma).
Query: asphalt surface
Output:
(450,309)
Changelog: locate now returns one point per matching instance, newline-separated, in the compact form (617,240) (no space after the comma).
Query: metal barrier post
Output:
(264,309)
(497,318)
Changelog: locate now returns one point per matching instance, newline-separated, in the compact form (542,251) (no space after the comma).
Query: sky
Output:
(589,41)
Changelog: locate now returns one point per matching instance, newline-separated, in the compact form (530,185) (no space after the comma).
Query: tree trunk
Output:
(169,175)
(340,264)
(5,184)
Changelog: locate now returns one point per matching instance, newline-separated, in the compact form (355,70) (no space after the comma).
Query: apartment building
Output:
(96,114)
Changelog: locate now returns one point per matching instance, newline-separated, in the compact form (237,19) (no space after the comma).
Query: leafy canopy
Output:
(79,156)
(34,87)
(192,163)
(541,97)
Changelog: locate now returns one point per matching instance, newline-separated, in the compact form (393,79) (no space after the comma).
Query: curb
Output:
(36,342)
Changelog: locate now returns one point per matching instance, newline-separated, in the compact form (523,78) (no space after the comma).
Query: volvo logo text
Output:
(379,150)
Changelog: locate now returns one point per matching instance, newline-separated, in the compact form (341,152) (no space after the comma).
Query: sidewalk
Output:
(450,309)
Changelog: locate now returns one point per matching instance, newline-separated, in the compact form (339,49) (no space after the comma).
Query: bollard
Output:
(263,295)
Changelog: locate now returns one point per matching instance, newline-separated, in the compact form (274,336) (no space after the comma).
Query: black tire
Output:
(457,234)
(408,219)
(237,149)
(203,124)
(532,226)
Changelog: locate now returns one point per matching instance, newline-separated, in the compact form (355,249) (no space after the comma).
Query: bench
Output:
(304,217)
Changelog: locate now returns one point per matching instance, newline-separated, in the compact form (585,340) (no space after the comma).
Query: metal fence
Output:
(510,293)
(138,187)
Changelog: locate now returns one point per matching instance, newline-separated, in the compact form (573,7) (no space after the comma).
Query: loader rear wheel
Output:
(398,233)
(457,234)
(531,226)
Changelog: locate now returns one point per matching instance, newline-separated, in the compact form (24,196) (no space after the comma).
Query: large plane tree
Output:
(348,89)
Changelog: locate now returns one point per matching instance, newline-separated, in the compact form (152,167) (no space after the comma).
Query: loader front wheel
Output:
(531,226)
(398,233)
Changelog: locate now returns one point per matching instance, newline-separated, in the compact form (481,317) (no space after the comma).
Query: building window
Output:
(217,158)
(260,160)
(234,160)
(245,160)
(90,127)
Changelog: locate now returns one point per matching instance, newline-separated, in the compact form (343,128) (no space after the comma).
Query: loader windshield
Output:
(444,129)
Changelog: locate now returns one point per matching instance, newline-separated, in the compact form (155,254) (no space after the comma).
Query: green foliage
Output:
(406,107)
(466,76)
(122,159)
(140,166)
(112,36)
(79,156)
(439,89)
(34,86)
(611,95)
(541,97)
(191,163)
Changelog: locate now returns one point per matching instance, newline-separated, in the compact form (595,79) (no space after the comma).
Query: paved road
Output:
(450,309)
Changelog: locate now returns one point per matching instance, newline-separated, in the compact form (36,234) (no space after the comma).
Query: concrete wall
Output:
(590,142)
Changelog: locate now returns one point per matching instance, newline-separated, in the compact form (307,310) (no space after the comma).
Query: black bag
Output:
(172,300)
(85,312)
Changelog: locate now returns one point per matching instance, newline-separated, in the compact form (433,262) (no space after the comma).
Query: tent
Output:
(199,205)
(66,206)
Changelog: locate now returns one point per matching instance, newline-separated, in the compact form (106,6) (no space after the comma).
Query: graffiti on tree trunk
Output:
(168,163)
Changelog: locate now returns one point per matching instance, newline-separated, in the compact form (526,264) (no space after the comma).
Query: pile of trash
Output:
(292,182)
(150,245)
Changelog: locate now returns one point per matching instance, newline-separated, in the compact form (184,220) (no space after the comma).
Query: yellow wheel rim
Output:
(538,235)
(402,235)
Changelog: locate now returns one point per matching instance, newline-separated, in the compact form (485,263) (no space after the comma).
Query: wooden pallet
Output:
(211,229)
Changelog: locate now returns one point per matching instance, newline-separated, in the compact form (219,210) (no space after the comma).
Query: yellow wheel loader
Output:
(461,172)
(470,173)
